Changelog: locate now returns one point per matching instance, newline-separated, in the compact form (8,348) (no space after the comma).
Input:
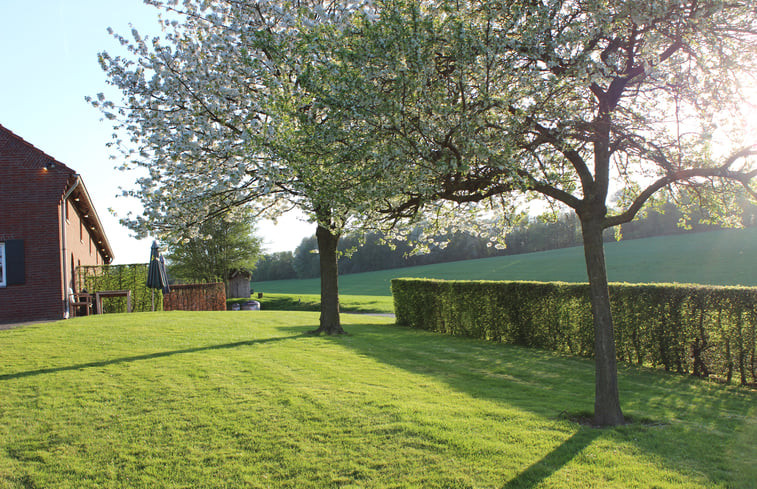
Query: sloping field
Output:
(249,400)
(716,258)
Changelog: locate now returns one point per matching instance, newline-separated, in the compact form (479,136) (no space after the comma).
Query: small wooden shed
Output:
(239,284)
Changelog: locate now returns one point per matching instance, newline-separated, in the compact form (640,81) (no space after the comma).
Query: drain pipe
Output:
(64,217)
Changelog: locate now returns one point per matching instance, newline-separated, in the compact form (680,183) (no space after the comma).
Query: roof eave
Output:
(83,202)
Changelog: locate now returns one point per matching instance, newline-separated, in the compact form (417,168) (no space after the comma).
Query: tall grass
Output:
(248,399)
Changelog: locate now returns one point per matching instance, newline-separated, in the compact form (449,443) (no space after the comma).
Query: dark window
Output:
(13,265)
(2,264)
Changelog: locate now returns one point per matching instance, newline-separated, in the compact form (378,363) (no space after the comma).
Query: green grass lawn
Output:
(716,258)
(248,399)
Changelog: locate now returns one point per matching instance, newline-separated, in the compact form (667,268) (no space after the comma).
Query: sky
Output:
(48,64)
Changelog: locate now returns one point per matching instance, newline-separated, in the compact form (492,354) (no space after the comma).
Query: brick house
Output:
(48,227)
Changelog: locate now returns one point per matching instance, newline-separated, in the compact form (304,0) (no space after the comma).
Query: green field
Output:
(249,400)
(717,258)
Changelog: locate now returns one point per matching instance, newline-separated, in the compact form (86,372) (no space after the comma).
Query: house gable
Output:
(32,230)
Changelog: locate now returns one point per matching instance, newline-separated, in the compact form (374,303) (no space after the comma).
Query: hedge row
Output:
(119,277)
(702,330)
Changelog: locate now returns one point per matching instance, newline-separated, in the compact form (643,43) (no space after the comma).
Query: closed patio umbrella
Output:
(157,278)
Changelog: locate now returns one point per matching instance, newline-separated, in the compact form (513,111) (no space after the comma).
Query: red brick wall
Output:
(30,199)
(196,297)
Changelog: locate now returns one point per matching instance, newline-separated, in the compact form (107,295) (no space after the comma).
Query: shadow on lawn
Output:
(148,356)
(554,460)
(677,410)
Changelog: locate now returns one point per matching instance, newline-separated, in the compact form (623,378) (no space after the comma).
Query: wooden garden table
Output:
(111,293)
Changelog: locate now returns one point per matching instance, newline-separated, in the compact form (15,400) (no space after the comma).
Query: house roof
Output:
(34,158)
(241,272)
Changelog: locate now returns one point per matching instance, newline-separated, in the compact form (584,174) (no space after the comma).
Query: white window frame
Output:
(3,267)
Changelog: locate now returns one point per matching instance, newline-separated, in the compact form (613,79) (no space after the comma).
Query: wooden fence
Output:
(196,297)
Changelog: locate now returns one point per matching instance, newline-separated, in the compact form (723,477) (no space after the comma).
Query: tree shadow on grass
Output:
(147,356)
(554,460)
(672,410)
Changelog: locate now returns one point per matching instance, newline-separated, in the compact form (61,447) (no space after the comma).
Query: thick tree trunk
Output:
(327,250)
(606,401)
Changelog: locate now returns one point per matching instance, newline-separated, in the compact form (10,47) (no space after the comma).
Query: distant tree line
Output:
(531,236)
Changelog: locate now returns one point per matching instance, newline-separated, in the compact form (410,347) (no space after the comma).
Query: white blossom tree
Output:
(215,113)
(561,100)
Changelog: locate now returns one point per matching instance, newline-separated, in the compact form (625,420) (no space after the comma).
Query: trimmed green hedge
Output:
(120,277)
(703,330)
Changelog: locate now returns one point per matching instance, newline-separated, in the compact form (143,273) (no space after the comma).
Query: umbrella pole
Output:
(153,299)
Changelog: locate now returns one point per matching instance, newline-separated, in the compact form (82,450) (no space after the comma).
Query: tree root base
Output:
(587,419)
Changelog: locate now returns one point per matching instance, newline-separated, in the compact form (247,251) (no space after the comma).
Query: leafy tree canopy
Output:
(216,115)
(220,247)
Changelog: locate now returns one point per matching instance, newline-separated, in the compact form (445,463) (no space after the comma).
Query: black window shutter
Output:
(14,262)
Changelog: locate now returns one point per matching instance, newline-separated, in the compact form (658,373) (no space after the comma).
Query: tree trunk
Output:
(606,401)
(327,250)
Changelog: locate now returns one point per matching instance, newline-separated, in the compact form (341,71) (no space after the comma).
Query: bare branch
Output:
(743,177)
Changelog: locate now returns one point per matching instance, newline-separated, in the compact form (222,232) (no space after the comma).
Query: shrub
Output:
(702,330)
